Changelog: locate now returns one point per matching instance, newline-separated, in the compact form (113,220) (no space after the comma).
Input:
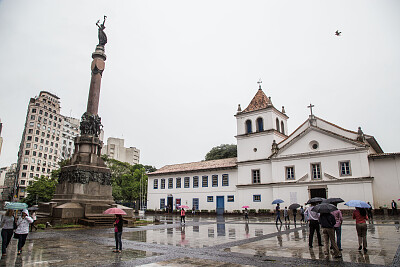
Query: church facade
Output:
(319,158)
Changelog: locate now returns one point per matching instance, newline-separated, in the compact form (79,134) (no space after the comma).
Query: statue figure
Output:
(102,34)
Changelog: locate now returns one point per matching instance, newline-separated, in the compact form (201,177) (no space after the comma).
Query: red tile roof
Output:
(197,166)
(259,101)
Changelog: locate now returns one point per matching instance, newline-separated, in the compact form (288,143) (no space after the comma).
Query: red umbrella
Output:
(183,207)
(114,211)
(245,207)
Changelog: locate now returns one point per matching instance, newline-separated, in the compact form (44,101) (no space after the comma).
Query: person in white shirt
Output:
(33,216)
(7,223)
(23,229)
(313,217)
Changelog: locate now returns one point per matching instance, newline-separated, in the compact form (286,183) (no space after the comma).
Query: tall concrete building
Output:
(1,138)
(70,131)
(115,149)
(8,181)
(47,138)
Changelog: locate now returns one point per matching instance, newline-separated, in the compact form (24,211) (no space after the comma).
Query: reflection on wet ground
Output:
(208,241)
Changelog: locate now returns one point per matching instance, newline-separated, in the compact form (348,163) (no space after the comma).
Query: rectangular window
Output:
(32,117)
(22,182)
(26,152)
(187,182)
(162,183)
(170,182)
(231,198)
(24,167)
(31,124)
(210,199)
(196,203)
(345,168)
(256,176)
(178,182)
(29,138)
(155,184)
(162,203)
(256,198)
(215,180)
(225,180)
(290,173)
(23,175)
(316,170)
(195,181)
(205,181)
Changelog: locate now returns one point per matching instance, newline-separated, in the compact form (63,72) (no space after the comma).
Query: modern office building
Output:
(70,131)
(115,149)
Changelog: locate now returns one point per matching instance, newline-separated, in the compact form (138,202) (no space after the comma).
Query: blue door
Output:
(220,205)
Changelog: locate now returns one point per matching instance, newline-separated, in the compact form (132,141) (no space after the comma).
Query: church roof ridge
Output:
(259,101)
(197,166)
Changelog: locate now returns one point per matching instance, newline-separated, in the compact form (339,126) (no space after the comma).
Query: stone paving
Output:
(212,241)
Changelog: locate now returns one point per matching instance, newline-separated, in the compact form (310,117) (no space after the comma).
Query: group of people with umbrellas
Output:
(15,226)
(323,213)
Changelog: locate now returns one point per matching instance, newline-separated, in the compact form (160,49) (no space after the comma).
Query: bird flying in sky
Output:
(338,33)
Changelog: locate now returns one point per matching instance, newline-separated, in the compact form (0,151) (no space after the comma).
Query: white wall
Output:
(386,184)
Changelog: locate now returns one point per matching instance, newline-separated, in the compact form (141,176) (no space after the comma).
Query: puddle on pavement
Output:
(383,242)
(65,252)
(199,235)
(186,262)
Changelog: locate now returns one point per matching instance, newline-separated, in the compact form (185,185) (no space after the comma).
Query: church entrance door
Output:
(318,192)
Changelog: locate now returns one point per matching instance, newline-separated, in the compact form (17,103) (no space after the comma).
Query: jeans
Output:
(314,226)
(362,234)
(278,217)
(118,240)
(6,235)
(338,231)
(183,219)
(21,241)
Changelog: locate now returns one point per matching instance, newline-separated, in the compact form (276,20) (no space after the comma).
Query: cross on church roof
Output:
(259,83)
(310,107)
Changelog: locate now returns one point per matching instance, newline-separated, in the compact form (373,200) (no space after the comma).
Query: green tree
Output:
(41,190)
(222,152)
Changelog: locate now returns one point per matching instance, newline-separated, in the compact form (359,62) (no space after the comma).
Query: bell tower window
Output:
(282,127)
(277,124)
(248,126)
(260,125)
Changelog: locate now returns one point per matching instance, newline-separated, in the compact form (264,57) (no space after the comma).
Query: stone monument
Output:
(84,186)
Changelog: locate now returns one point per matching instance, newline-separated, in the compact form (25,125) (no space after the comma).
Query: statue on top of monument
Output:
(102,34)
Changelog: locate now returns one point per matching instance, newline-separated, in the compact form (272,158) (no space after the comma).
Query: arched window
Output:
(277,125)
(248,126)
(282,127)
(260,125)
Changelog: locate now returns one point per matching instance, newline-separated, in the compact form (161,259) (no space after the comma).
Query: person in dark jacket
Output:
(328,221)
(118,224)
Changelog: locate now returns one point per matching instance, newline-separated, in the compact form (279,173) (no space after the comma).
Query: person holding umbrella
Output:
(23,229)
(312,218)
(278,214)
(183,216)
(328,221)
(360,215)
(7,223)
(118,225)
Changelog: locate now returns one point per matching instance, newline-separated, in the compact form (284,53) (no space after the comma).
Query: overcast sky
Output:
(176,70)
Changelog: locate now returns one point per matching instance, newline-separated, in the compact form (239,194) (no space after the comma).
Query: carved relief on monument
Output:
(84,177)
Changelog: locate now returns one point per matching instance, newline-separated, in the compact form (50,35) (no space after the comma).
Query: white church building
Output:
(318,159)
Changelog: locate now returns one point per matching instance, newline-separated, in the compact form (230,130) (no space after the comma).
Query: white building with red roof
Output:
(318,159)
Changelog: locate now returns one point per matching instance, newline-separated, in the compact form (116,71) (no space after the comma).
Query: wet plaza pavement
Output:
(212,241)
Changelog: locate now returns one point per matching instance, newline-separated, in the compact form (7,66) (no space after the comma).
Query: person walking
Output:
(394,208)
(302,214)
(369,211)
(328,221)
(7,223)
(286,214)
(338,226)
(33,216)
(246,214)
(360,215)
(23,229)
(313,218)
(118,225)
(183,216)
(278,213)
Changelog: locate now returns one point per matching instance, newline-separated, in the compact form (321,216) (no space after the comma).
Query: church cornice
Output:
(245,114)
(312,154)
(261,133)
(319,182)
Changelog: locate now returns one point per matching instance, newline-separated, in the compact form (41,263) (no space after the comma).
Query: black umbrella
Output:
(333,200)
(324,208)
(294,206)
(315,200)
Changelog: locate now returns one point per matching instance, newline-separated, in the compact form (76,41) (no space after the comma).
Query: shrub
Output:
(252,210)
(237,211)
(41,226)
(205,211)
(212,211)
(262,211)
